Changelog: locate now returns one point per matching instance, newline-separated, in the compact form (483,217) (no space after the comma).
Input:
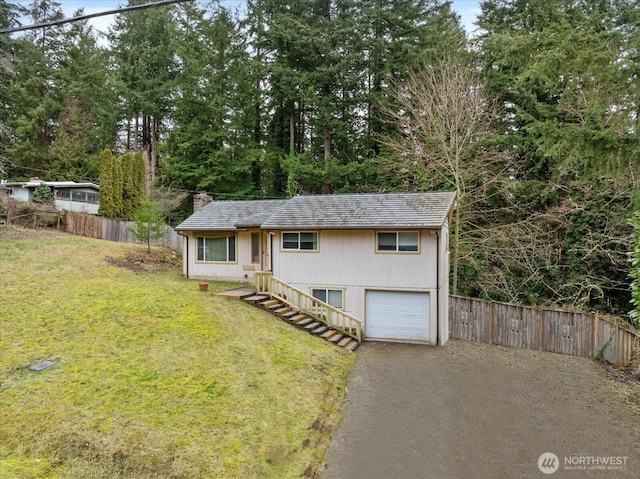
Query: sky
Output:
(467,9)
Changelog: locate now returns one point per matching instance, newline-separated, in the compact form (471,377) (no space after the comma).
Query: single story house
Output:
(383,258)
(68,195)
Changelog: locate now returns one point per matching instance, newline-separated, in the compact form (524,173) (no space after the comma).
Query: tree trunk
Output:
(136,134)
(146,156)
(456,251)
(154,151)
(292,124)
(327,146)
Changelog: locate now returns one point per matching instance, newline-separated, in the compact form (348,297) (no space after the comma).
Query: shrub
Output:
(43,195)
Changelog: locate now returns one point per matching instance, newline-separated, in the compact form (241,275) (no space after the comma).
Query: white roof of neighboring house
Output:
(53,184)
(427,210)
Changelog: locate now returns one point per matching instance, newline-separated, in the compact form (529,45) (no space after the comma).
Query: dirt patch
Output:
(143,262)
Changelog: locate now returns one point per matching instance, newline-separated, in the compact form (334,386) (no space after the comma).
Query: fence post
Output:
(544,330)
(493,323)
(594,322)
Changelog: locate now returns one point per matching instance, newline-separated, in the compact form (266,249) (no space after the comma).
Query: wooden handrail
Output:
(325,313)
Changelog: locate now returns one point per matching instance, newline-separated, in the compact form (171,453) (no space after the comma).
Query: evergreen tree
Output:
(36,91)
(148,223)
(8,15)
(138,174)
(330,67)
(130,201)
(561,70)
(43,195)
(74,150)
(111,204)
(146,61)
(87,121)
(212,146)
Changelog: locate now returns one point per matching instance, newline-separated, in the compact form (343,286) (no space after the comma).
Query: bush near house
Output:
(152,378)
(43,194)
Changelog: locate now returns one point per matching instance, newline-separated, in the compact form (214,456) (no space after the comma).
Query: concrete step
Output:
(254,298)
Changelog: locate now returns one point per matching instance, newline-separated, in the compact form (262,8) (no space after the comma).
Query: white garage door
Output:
(397,315)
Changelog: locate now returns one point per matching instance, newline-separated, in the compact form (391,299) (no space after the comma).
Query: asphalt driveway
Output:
(477,411)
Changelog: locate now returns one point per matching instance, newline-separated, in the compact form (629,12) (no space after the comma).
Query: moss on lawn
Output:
(153,378)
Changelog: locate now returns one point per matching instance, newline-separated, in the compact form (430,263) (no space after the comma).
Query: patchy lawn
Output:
(153,378)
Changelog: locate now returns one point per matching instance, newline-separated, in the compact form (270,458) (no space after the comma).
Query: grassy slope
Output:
(154,378)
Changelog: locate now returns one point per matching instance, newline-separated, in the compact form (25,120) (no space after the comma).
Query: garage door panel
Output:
(399,315)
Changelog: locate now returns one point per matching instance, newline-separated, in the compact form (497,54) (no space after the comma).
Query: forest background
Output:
(533,120)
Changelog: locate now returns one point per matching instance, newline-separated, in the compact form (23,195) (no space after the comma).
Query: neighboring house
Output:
(383,258)
(68,195)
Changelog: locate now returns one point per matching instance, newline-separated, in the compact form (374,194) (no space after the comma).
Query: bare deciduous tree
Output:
(167,200)
(446,118)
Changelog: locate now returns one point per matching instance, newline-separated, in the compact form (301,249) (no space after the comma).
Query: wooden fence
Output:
(580,334)
(83,224)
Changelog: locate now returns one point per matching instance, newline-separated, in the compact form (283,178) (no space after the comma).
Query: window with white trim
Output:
(300,241)
(400,241)
(216,249)
(334,297)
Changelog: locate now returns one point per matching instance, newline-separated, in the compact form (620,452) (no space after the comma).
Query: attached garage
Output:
(397,315)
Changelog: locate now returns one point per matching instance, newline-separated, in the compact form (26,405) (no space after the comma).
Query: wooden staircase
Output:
(304,321)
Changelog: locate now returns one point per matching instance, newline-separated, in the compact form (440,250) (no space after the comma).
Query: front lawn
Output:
(153,378)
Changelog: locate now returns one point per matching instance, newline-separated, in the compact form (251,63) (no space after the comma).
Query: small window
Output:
(307,241)
(219,249)
(93,198)
(402,241)
(334,297)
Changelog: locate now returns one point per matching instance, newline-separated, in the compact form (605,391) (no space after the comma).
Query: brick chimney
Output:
(201,200)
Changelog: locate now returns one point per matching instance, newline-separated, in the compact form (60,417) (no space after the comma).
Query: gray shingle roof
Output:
(363,211)
(230,215)
(358,211)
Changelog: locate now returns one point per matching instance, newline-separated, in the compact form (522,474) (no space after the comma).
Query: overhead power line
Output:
(92,15)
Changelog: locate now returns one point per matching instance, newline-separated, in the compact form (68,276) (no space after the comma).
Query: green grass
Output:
(153,377)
